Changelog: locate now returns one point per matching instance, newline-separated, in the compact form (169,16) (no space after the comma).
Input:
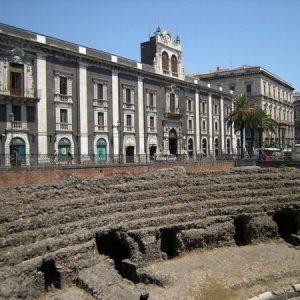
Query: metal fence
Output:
(34,160)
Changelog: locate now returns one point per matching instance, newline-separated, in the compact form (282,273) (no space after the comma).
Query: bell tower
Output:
(163,53)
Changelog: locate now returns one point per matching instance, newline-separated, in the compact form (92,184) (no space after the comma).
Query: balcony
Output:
(151,108)
(7,93)
(64,126)
(128,129)
(63,98)
(173,114)
(16,125)
(128,105)
(100,128)
(100,103)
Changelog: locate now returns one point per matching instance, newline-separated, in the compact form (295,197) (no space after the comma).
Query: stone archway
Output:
(173,141)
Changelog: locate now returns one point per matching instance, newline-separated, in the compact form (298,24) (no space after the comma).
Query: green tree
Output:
(241,117)
(263,123)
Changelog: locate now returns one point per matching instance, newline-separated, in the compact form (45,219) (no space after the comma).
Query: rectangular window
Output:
(16,79)
(216,109)
(203,107)
(172,103)
(63,87)
(203,125)
(3,117)
(16,110)
(190,124)
(189,105)
(128,96)
(151,122)
(264,88)
(63,116)
(30,111)
(99,91)
(151,100)
(101,118)
(248,89)
(128,120)
(216,125)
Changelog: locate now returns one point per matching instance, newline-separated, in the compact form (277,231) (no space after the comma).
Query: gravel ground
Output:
(229,273)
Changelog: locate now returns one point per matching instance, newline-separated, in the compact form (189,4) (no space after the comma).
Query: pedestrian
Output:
(70,157)
(55,157)
(15,154)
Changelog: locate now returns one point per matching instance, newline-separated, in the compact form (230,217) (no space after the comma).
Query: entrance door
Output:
(17,151)
(152,152)
(173,142)
(64,146)
(190,148)
(101,150)
(130,154)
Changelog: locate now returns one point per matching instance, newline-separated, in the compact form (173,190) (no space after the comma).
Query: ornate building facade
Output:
(269,92)
(57,97)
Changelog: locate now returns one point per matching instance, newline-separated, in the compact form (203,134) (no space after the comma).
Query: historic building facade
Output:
(269,92)
(296,102)
(59,98)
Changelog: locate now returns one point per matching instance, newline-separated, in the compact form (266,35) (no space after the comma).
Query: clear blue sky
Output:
(224,33)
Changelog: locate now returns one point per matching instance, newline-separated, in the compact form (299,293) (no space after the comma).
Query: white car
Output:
(165,157)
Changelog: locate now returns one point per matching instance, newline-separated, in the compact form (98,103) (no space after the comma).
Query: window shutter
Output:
(1,75)
(168,102)
(154,100)
(69,82)
(132,96)
(147,98)
(56,83)
(104,91)
(95,90)
(124,95)
(57,115)
(69,121)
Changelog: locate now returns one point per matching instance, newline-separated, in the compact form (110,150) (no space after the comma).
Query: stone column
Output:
(83,109)
(115,111)
(222,125)
(42,106)
(197,122)
(141,129)
(210,126)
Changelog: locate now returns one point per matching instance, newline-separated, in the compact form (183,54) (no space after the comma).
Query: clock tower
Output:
(164,54)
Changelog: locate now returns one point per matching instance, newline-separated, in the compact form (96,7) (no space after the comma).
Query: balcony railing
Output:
(151,108)
(173,114)
(128,128)
(25,93)
(63,98)
(64,126)
(16,125)
(128,105)
(100,102)
(100,128)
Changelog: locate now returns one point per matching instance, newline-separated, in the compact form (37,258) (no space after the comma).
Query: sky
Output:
(213,33)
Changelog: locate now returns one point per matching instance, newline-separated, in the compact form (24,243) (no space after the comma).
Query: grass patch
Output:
(212,290)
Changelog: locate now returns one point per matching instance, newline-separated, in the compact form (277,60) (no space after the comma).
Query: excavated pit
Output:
(114,246)
(242,234)
(169,242)
(51,275)
(288,222)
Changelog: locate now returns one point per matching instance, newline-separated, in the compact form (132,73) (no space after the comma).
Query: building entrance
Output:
(173,142)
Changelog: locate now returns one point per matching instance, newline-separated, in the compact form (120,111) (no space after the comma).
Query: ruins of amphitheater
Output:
(103,235)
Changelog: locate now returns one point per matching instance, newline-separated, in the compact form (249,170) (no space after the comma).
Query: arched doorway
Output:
(17,151)
(130,154)
(101,150)
(216,147)
(173,142)
(190,148)
(228,146)
(64,146)
(204,147)
(152,151)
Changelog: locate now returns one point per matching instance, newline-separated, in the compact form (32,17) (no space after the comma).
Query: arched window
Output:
(228,146)
(64,146)
(101,150)
(216,147)
(165,61)
(204,147)
(17,151)
(174,64)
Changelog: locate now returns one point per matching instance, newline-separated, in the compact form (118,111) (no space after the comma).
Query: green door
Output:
(64,146)
(17,151)
(101,150)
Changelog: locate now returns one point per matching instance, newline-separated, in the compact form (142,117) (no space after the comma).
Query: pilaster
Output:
(222,125)
(210,126)
(115,111)
(141,129)
(197,122)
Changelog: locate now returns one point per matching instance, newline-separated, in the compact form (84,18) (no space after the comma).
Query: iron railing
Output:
(33,160)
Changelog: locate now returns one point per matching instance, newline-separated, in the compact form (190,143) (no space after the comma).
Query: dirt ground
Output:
(220,273)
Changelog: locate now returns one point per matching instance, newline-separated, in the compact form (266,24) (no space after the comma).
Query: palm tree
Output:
(241,116)
(263,122)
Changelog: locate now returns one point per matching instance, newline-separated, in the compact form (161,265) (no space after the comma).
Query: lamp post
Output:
(12,119)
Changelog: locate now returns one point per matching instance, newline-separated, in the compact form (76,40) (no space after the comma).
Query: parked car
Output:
(165,157)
